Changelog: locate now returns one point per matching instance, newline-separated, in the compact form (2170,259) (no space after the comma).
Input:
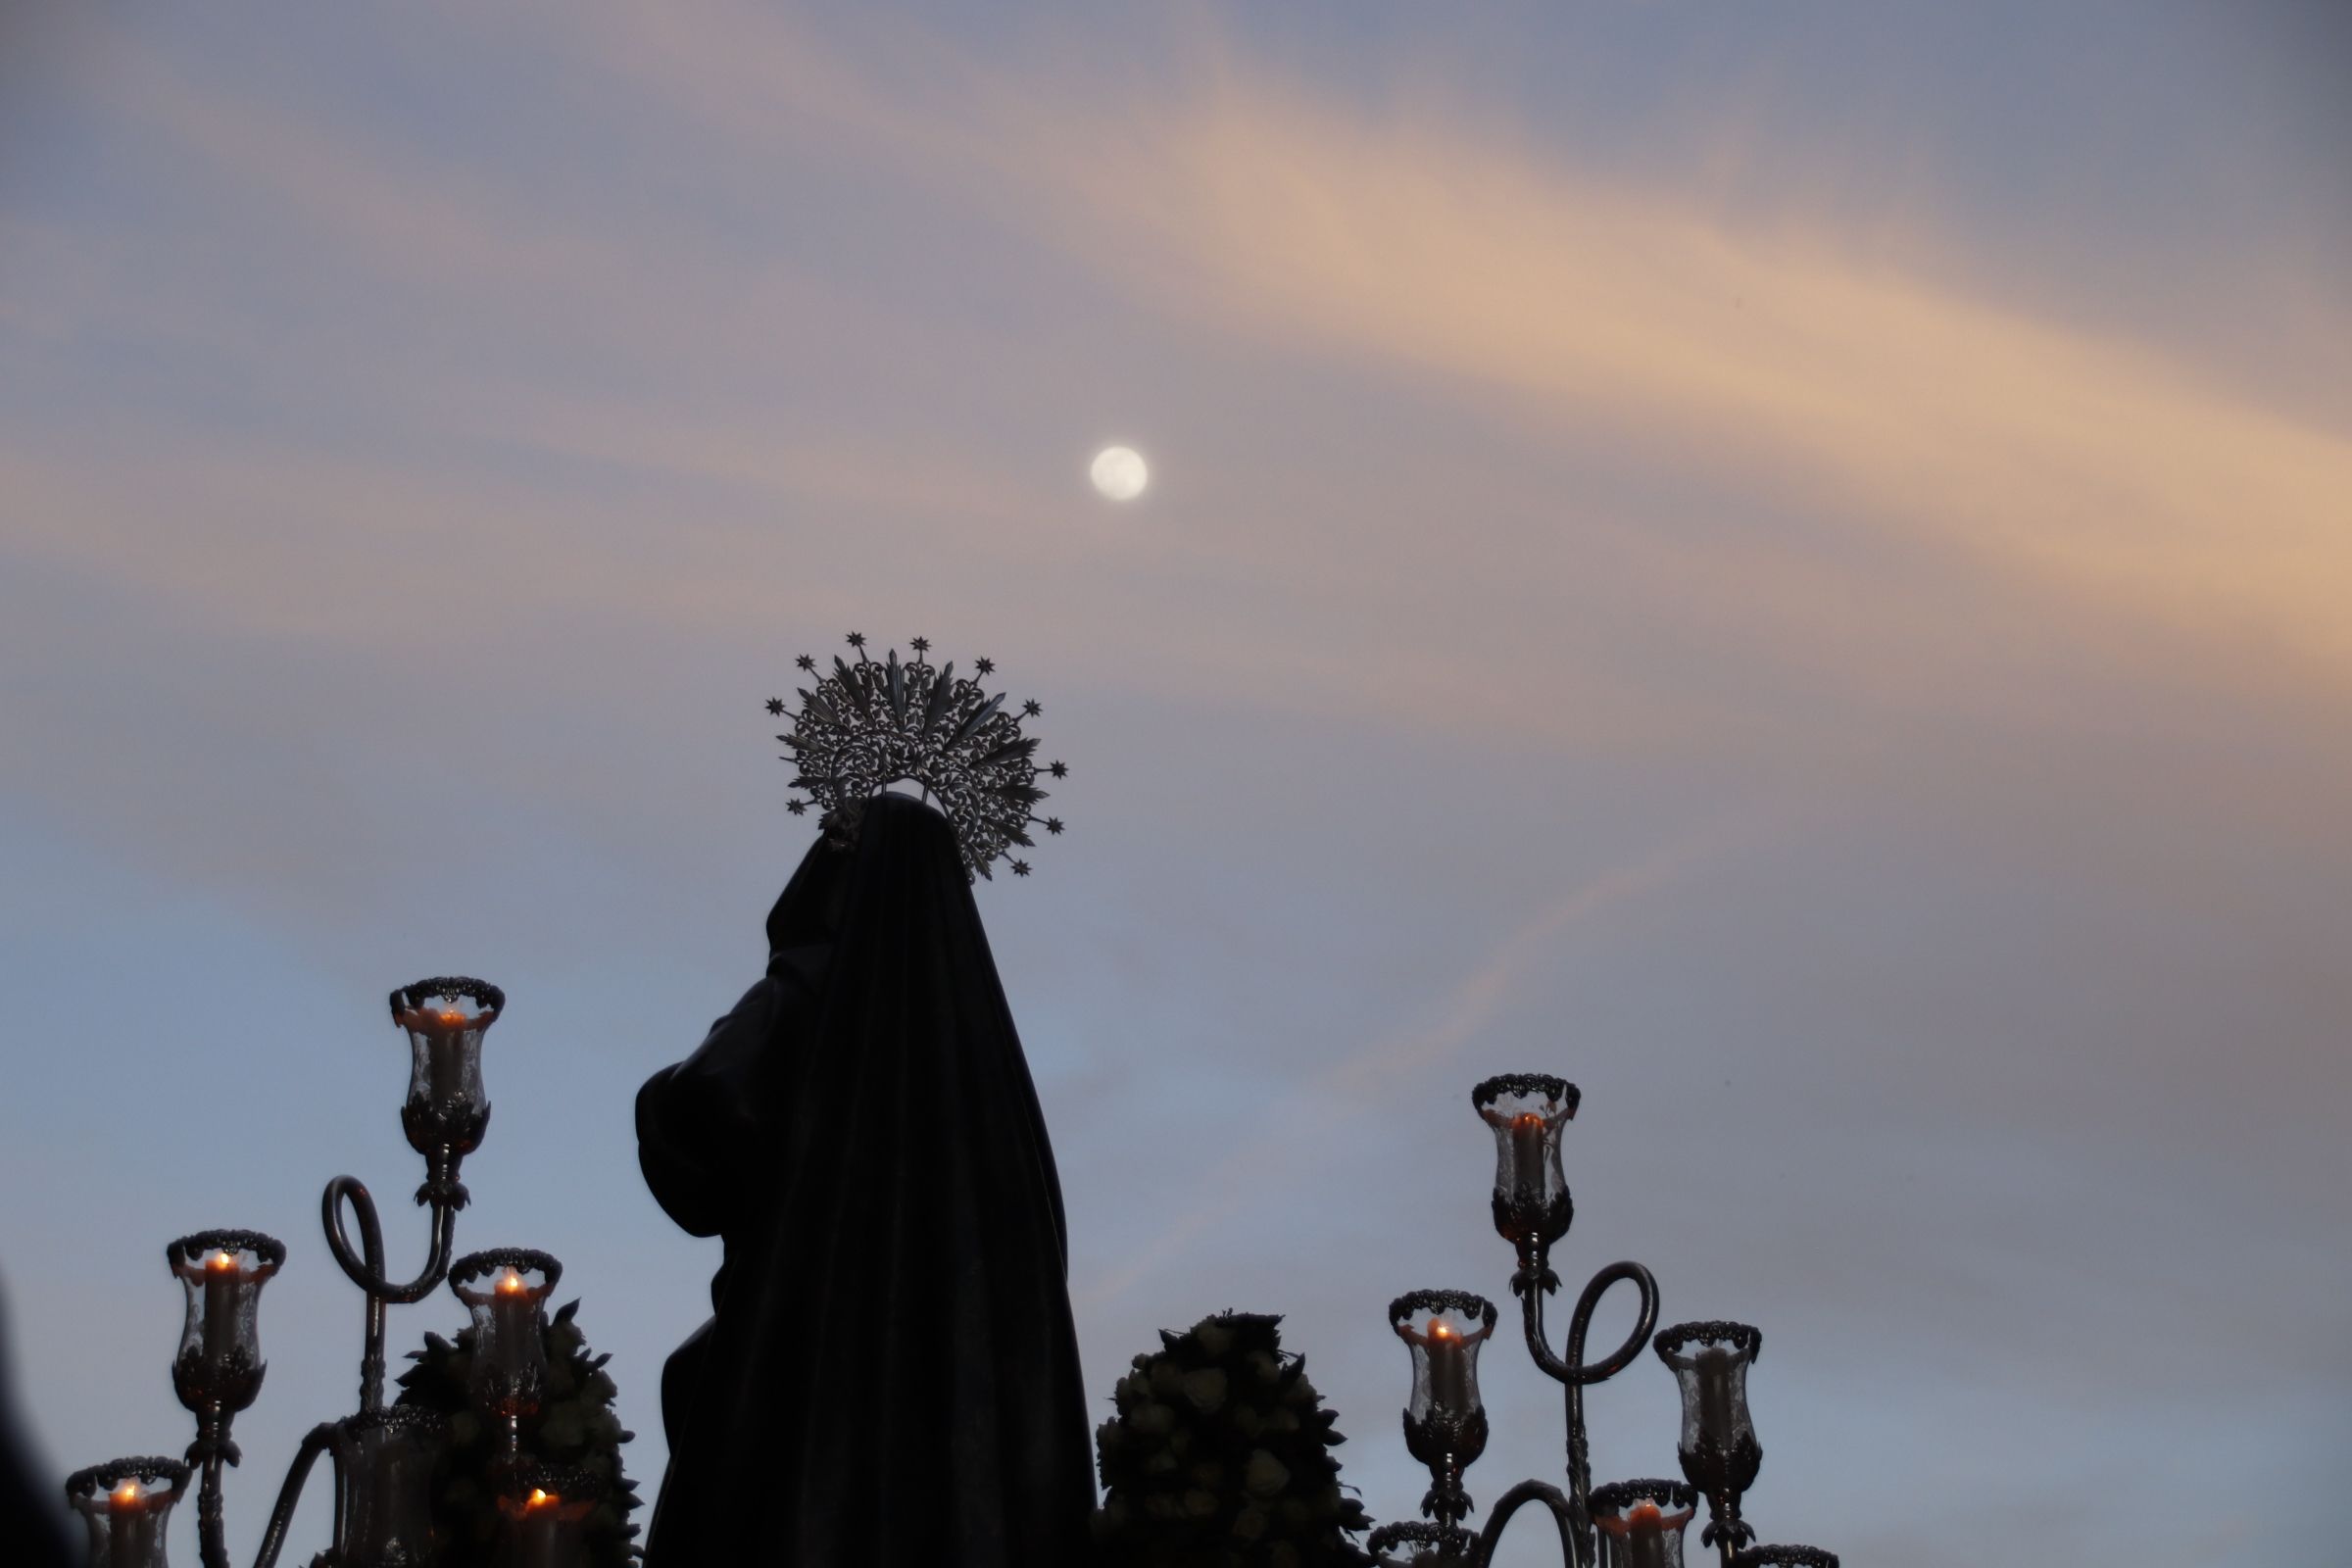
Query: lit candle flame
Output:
(222,1262)
(126,1495)
(510,1283)
(541,1499)
(1440,1329)
(451,1016)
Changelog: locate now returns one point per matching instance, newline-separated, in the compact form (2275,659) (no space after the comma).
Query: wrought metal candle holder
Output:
(1632,1524)
(384,1457)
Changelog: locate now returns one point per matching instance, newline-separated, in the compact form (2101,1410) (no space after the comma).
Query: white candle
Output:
(1448,1370)
(544,1533)
(1714,1376)
(1646,1541)
(1528,1180)
(512,1353)
(221,1277)
(131,1528)
(445,1058)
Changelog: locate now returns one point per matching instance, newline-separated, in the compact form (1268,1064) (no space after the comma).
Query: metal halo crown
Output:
(870,725)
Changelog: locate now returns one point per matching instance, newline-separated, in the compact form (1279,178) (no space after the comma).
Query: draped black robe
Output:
(891,1374)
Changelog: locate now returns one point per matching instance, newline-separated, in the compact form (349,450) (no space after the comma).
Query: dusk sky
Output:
(1790,563)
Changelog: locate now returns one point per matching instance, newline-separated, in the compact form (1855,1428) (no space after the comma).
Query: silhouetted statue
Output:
(891,1376)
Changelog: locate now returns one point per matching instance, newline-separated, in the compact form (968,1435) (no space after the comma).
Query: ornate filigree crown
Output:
(868,724)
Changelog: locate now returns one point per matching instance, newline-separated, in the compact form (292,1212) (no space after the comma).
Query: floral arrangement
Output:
(1220,1458)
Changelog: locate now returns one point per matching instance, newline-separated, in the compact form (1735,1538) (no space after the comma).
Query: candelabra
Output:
(383,1457)
(1630,1524)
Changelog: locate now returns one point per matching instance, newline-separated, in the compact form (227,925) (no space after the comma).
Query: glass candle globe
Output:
(1527,1112)
(219,1368)
(127,1506)
(446,1110)
(384,1464)
(1719,1451)
(505,1290)
(1444,1422)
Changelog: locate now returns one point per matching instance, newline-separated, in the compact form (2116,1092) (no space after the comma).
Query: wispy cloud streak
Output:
(1357,1085)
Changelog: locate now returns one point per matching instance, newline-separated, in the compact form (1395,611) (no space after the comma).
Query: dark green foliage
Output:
(574,1426)
(1220,1458)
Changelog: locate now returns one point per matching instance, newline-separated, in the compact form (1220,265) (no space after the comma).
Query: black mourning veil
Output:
(891,1375)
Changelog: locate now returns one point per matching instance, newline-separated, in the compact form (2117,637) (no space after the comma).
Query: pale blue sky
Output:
(1783,561)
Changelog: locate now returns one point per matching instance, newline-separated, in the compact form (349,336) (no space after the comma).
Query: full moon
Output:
(1119,472)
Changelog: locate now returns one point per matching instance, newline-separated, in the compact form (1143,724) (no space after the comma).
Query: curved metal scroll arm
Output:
(1481,1549)
(1574,1370)
(1524,1492)
(274,1540)
(1576,1374)
(365,1268)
